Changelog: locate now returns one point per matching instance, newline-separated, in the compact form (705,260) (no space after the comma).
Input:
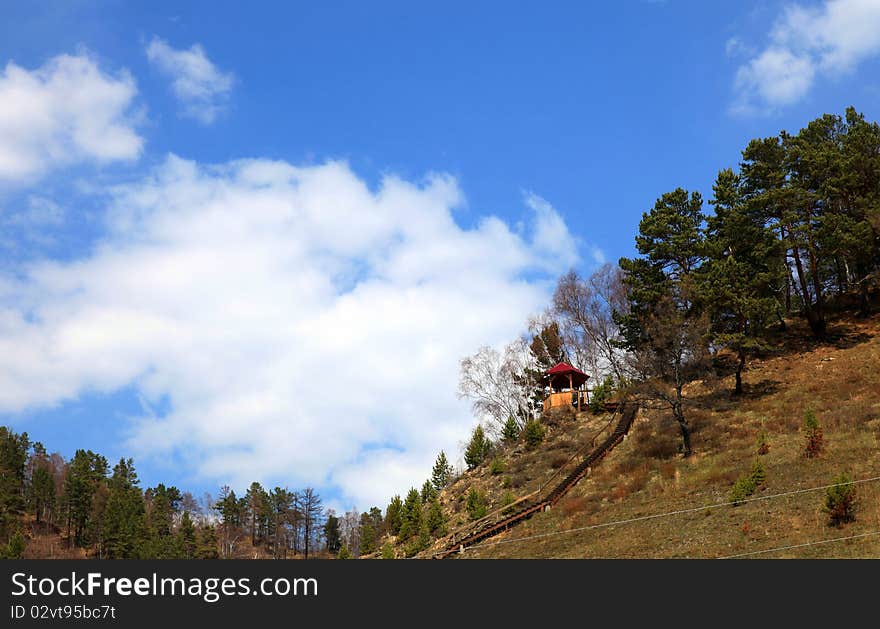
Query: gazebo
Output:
(567,387)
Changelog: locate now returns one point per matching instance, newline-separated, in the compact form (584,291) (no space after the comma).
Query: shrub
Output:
(813,435)
(758,475)
(601,394)
(533,433)
(742,489)
(343,553)
(14,548)
(840,501)
(747,484)
(506,500)
(510,431)
(496,466)
(388,551)
(763,446)
(476,504)
(558,461)
(506,482)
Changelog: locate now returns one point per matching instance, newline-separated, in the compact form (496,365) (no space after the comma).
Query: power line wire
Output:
(663,515)
(823,541)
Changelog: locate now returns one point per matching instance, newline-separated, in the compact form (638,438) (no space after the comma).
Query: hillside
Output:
(645,475)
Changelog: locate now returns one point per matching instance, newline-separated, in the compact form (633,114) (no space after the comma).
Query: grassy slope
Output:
(839,380)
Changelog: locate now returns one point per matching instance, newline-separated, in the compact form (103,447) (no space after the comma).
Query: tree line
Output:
(106,512)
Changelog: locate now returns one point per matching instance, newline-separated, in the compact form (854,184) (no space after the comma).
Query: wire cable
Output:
(822,541)
(667,514)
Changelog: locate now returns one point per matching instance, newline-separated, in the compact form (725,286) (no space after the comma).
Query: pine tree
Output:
(841,501)
(258,512)
(533,433)
(665,329)
(208,545)
(442,472)
(428,492)
(331,533)
(123,519)
(85,474)
(411,515)
(436,521)
(475,504)
(813,435)
(388,551)
(510,431)
(162,505)
(41,489)
(14,548)
(187,541)
(743,275)
(13,456)
(371,527)
(477,449)
(393,515)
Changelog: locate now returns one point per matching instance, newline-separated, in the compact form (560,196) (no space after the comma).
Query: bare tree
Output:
(499,383)
(585,310)
(310,503)
(350,531)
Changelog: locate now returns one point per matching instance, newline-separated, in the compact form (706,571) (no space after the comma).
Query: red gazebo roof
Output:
(578,376)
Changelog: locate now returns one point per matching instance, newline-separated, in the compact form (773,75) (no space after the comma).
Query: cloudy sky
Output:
(253,244)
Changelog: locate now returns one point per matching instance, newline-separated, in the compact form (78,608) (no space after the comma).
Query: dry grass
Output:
(839,381)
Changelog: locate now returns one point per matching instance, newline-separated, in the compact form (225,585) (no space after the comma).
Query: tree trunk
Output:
(864,300)
(813,315)
(738,389)
(788,279)
(682,425)
(819,328)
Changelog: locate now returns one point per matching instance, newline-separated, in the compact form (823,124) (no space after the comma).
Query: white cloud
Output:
(64,112)
(302,326)
(551,235)
(807,43)
(202,89)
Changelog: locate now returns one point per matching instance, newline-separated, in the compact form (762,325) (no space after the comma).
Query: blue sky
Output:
(164,298)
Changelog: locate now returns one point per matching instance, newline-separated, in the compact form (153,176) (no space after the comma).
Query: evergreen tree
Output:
(161,504)
(280,502)
(122,522)
(393,516)
(85,474)
(14,548)
(436,521)
(743,275)
(510,431)
(371,525)
(477,449)
(665,330)
(475,504)
(388,551)
(331,533)
(442,472)
(533,433)
(428,492)
(208,545)
(411,515)
(41,488)
(258,512)
(187,541)
(13,456)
